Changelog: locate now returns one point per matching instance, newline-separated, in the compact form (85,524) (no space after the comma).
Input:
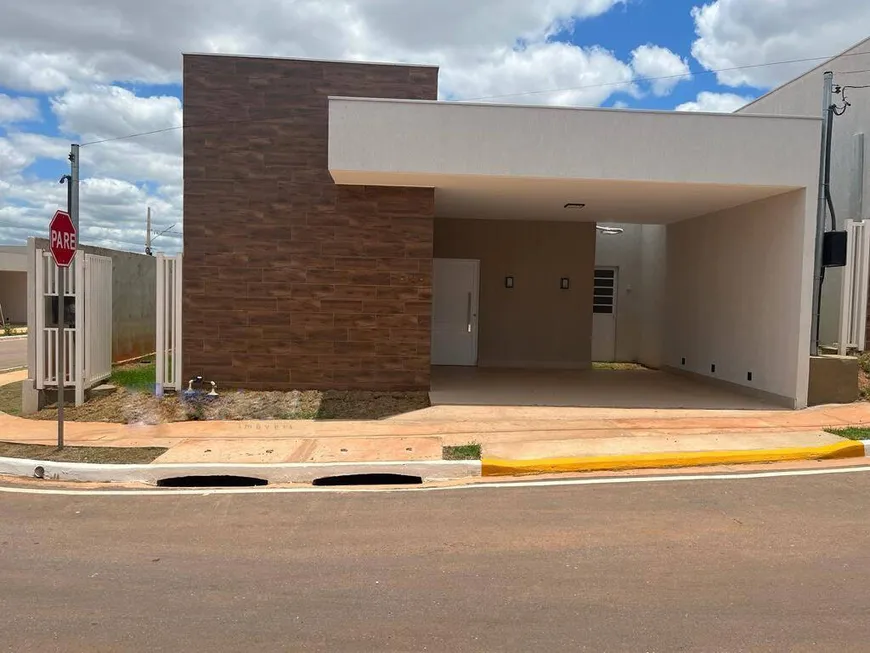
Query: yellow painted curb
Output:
(499,467)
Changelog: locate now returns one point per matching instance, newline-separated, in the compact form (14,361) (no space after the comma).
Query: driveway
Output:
(13,352)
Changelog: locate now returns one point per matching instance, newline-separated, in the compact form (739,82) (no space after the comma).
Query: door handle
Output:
(468,313)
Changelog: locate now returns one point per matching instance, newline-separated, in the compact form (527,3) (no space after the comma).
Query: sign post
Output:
(63,243)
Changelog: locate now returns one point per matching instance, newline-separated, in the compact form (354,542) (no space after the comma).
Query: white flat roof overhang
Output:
(527,162)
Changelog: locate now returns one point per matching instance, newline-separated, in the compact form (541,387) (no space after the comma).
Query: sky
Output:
(99,69)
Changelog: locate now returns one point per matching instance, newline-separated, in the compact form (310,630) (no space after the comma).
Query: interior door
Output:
(604,315)
(454,311)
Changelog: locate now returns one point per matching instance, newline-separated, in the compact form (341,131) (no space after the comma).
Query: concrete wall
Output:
(535,324)
(13,258)
(13,296)
(134,297)
(849,185)
(737,295)
(654,254)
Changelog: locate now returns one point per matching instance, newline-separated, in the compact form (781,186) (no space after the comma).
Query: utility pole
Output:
(148,232)
(74,185)
(61,322)
(821,215)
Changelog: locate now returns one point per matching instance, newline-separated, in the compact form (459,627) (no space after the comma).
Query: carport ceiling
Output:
(606,201)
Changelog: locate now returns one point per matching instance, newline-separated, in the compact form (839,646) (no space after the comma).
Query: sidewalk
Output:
(514,433)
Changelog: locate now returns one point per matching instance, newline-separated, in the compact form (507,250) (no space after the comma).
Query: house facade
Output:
(346,230)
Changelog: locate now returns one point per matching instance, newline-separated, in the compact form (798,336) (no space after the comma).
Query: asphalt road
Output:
(777,564)
(13,352)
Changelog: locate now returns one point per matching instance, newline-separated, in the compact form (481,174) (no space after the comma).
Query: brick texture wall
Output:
(289,280)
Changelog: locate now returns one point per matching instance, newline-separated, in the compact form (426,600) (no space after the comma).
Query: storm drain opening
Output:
(368,479)
(211,481)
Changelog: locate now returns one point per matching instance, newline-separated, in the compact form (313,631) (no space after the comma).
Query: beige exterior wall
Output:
(736,296)
(13,296)
(536,324)
(413,143)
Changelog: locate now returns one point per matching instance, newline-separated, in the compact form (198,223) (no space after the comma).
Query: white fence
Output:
(169,281)
(86,323)
(853,300)
(97,353)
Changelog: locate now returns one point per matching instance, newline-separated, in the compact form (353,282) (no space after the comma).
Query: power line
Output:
(663,77)
(520,94)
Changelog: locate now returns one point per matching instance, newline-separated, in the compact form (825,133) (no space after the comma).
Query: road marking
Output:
(738,476)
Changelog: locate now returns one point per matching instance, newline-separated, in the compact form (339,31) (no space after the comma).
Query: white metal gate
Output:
(168,322)
(87,311)
(853,300)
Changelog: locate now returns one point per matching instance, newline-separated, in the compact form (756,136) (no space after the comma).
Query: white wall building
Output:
(713,272)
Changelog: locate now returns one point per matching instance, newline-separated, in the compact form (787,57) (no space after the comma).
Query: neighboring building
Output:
(850,186)
(850,176)
(13,283)
(345,230)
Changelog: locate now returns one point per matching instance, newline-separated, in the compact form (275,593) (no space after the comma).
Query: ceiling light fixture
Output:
(574,205)
(610,231)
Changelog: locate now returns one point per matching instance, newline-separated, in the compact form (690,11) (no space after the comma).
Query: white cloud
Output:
(105,112)
(588,76)
(19,150)
(48,47)
(735,33)
(78,57)
(715,102)
(18,109)
(112,211)
(653,61)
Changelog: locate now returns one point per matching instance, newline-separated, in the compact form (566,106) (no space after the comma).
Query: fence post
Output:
(39,339)
(847,292)
(81,298)
(161,335)
(176,313)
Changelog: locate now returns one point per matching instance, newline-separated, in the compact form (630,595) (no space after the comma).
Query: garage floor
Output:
(476,386)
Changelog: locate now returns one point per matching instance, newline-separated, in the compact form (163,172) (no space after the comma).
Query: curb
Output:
(500,467)
(428,470)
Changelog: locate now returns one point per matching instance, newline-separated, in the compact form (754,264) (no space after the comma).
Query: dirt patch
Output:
(130,406)
(113,455)
(864,376)
(368,405)
(620,367)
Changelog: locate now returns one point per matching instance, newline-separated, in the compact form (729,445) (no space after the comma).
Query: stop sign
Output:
(62,239)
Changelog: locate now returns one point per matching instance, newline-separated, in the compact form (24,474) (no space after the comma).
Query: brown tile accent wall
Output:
(290,280)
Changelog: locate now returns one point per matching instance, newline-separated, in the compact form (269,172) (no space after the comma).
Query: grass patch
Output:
(852,432)
(10,398)
(116,455)
(135,376)
(461,452)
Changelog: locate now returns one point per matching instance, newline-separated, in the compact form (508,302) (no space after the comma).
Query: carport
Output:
(595,388)
(727,208)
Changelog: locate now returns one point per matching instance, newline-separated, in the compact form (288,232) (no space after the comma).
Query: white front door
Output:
(454,311)
(604,315)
